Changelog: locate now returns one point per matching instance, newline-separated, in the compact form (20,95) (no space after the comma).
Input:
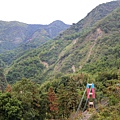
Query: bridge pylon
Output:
(91,95)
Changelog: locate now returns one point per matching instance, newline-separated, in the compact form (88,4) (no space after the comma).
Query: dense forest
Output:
(46,82)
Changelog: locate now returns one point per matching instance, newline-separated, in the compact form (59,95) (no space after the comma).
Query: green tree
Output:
(3,82)
(63,102)
(68,98)
(28,93)
(10,107)
(44,106)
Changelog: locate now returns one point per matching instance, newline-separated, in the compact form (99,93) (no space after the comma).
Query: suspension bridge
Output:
(90,103)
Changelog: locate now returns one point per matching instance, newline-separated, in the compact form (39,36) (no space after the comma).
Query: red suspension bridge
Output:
(90,102)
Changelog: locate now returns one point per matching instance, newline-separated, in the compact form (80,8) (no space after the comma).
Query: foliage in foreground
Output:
(59,98)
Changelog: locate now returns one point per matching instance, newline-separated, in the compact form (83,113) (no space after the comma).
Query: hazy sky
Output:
(46,11)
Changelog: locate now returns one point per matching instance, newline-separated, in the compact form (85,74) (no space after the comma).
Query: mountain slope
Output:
(92,17)
(92,48)
(95,51)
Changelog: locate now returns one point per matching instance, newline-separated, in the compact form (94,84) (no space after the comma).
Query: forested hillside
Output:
(93,51)
(48,82)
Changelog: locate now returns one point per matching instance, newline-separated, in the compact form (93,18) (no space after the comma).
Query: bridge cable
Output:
(79,105)
(86,103)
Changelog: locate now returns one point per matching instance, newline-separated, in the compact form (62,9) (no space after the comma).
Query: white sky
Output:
(46,11)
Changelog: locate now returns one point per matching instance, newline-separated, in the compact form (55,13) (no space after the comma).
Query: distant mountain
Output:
(14,33)
(56,27)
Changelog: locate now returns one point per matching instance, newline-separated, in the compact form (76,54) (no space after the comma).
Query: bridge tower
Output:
(91,95)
